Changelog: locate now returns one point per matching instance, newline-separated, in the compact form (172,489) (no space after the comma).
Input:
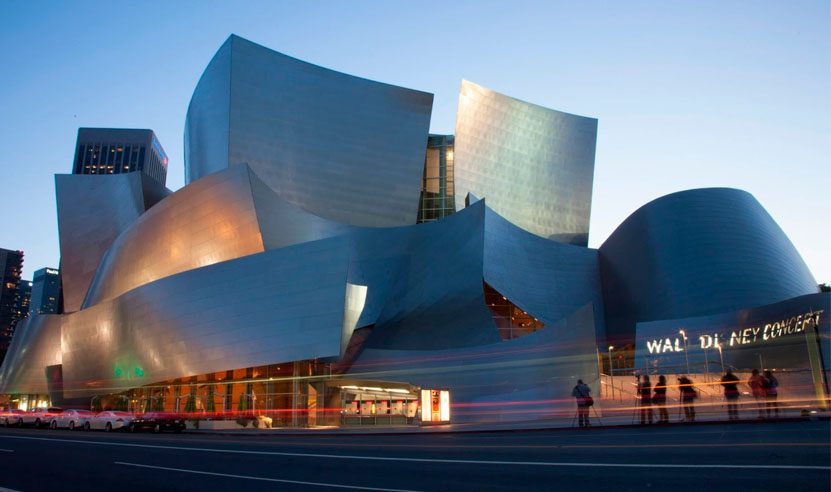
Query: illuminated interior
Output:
(511,321)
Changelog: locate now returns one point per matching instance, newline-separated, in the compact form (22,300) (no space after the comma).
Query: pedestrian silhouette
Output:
(771,385)
(731,394)
(688,395)
(582,395)
(645,392)
(659,398)
(757,388)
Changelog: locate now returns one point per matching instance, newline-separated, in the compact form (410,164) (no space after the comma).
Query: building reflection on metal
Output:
(534,165)
(342,147)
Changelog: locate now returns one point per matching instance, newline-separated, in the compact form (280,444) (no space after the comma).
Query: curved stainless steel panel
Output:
(256,310)
(695,253)
(207,121)
(36,345)
(92,212)
(224,216)
(547,279)
(534,165)
(521,379)
(424,283)
(207,222)
(342,147)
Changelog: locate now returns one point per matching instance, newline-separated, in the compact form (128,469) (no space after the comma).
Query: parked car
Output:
(71,419)
(157,422)
(11,417)
(108,420)
(39,417)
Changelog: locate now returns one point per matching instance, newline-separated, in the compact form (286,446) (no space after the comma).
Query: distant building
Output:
(23,300)
(117,151)
(11,264)
(46,292)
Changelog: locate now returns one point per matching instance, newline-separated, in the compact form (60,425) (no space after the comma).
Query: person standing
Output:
(645,392)
(582,395)
(688,395)
(771,392)
(660,398)
(757,389)
(731,394)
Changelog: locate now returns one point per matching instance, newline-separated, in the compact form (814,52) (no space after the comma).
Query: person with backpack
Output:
(688,395)
(771,392)
(660,398)
(582,395)
(645,394)
(731,394)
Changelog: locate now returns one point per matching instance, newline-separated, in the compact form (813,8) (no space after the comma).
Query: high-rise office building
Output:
(46,292)
(22,300)
(11,265)
(116,151)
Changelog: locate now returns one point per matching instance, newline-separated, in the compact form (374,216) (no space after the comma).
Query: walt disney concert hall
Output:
(331,262)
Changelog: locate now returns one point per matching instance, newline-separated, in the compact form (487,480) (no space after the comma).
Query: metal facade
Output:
(526,378)
(547,279)
(342,147)
(92,211)
(534,165)
(297,227)
(696,253)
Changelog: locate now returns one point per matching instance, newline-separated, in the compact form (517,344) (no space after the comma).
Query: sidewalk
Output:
(614,416)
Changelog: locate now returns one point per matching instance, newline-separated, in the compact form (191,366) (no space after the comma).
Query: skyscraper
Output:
(22,300)
(11,265)
(117,151)
(46,292)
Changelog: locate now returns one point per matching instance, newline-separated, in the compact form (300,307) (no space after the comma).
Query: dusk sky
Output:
(687,94)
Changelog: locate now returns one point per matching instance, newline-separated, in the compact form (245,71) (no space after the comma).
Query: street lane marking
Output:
(426,460)
(264,479)
(6,451)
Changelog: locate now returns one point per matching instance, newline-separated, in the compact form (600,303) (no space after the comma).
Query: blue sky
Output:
(688,94)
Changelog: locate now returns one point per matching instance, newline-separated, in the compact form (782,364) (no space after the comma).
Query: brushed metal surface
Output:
(534,165)
(92,211)
(521,379)
(342,147)
(424,283)
(36,344)
(207,222)
(545,278)
(260,309)
(694,253)
(780,351)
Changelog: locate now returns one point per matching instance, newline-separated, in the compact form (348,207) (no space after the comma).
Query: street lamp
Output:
(706,366)
(686,355)
(611,371)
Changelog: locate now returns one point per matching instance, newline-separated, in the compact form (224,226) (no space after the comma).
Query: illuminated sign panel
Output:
(773,336)
(435,406)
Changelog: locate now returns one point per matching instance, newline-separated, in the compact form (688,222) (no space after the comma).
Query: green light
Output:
(118,372)
(139,372)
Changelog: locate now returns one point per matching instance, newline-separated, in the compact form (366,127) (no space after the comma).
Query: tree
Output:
(209,407)
(824,287)
(159,403)
(190,405)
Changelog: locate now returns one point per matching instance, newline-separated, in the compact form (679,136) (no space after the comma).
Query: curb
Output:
(494,431)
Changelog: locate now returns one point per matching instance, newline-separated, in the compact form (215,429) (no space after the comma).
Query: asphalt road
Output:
(793,456)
